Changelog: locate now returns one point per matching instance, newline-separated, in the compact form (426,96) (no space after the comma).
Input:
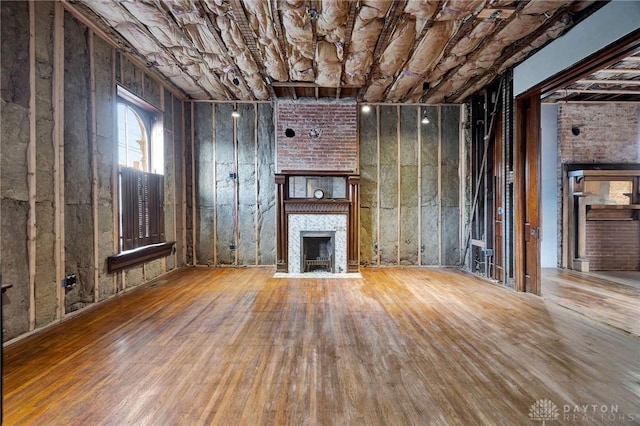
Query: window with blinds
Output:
(142,208)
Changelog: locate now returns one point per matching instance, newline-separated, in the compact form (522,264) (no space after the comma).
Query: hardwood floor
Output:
(399,346)
(598,298)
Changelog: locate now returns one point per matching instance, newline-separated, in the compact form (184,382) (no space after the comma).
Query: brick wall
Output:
(608,133)
(613,245)
(335,145)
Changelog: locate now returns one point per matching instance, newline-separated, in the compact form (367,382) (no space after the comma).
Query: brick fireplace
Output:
(317,185)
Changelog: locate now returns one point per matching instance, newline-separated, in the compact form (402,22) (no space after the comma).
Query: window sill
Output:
(131,258)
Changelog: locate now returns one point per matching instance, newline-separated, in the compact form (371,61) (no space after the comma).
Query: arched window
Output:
(140,163)
(133,138)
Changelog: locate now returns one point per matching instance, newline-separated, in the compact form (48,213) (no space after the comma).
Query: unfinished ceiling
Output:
(618,82)
(371,50)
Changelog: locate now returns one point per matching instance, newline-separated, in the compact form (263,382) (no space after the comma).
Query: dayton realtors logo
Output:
(544,410)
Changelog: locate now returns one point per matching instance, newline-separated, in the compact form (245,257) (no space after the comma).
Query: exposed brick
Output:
(336,146)
(613,245)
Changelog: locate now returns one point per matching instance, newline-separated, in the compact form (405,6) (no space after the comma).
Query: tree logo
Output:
(543,410)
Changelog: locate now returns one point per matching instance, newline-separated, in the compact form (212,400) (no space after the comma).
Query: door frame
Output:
(527,133)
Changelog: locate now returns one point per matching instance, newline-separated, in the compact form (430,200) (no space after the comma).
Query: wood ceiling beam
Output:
(605,81)
(603,91)
(619,71)
(393,15)
(306,84)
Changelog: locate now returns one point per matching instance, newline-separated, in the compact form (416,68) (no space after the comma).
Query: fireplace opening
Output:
(317,252)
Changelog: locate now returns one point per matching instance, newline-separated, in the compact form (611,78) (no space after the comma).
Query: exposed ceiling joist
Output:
(381,51)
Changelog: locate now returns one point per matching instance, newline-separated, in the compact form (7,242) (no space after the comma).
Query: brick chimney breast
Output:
(325,136)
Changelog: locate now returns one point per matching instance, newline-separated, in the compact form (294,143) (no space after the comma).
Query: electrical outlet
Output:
(69,281)
(232,246)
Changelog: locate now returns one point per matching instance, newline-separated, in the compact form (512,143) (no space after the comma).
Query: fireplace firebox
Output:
(318,252)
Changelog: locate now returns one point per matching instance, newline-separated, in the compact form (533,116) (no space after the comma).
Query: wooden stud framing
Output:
(163,260)
(418,122)
(399,174)
(439,185)
(58,152)
(94,165)
(378,248)
(115,190)
(184,188)
(214,185)
(255,183)
(193,187)
(235,189)
(31,168)
(462,170)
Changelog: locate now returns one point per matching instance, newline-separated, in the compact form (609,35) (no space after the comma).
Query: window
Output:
(140,160)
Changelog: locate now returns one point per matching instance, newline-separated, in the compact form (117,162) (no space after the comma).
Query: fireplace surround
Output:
(316,204)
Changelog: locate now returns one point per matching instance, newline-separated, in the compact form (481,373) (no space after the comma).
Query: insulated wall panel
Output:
(14,140)
(105,158)
(188,187)
(412,175)
(179,170)
(131,77)
(368,186)
(430,136)
(246,184)
(46,289)
(409,209)
(388,181)
(450,185)
(224,184)
(78,220)
(169,176)
(266,212)
(204,177)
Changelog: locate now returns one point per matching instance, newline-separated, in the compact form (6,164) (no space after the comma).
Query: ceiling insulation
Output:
(375,50)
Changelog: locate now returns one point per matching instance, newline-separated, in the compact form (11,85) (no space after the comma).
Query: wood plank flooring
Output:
(595,297)
(397,347)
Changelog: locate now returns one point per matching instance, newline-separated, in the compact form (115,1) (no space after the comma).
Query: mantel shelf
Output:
(614,206)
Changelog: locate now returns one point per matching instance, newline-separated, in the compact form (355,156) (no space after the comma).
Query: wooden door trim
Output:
(527,110)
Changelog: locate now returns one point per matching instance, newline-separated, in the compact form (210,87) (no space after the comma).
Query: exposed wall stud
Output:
(194,258)
(377,242)
(399,179)
(58,142)
(440,185)
(31,168)
(214,185)
(235,188)
(419,128)
(256,183)
(184,186)
(115,193)
(94,165)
